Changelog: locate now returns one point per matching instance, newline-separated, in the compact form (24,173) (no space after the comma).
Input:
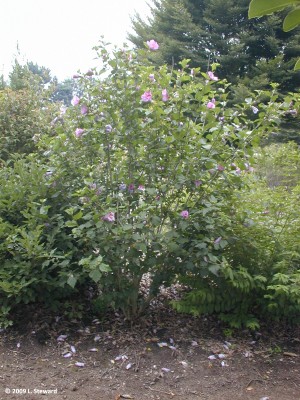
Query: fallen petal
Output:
(121,357)
(184,363)
(68,355)
(62,338)
(94,349)
(194,343)
(79,364)
(166,369)
(73,350)
(162,344)
(212,357)
(128,366)
(221,356)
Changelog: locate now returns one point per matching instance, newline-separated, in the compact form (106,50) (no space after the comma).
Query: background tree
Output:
(175,25)
(259,8)
(2,82)
(27,75)
(43,72)
(25,109)
(25,116)
(63,91)
(220,31)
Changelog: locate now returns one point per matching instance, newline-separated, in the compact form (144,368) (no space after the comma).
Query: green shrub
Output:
(37,253)
(25,115)
(150,158)
(138,180)
(260,278)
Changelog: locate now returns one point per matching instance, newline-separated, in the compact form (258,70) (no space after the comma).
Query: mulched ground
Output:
(164,356)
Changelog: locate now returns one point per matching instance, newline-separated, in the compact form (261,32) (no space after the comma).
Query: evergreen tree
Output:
(63,91)
(2,82)
(29,74)
(175,25)
(220,31)
(19,77)
(43,72)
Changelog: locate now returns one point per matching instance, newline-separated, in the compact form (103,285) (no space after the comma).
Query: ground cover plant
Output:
(145,175)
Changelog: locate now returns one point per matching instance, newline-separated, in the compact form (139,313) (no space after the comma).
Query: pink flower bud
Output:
(212,76)
(75,100)
(110,217)
(79,132)
(152,44)
(184,214)
(146,97)
(84,109)
(211,104)
(164,94)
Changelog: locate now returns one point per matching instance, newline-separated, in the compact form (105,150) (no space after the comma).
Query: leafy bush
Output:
(150,158)
(260,278)
(279,165)
(139,180)
(24,116)
(37,253)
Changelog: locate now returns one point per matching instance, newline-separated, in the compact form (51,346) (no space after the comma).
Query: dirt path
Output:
(181,361)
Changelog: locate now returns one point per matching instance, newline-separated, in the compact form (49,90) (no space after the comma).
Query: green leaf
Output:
(126,227)
(141,247)
(77,216)
(71,224)
(258,8)
(72,281)
(297,65)
(44,210)
(291,20)
(214,269)
(95,275)
(104,268)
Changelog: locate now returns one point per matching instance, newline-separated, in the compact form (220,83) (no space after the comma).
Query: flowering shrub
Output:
(141,176)
(151,171)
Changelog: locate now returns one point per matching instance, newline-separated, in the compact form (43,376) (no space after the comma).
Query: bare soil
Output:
(163,356)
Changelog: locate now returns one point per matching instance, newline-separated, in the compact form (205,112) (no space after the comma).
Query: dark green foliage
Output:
(261,275)
(43,72)
(25,115)
(148,175)
(63,91)
(220,31)
(38,254)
